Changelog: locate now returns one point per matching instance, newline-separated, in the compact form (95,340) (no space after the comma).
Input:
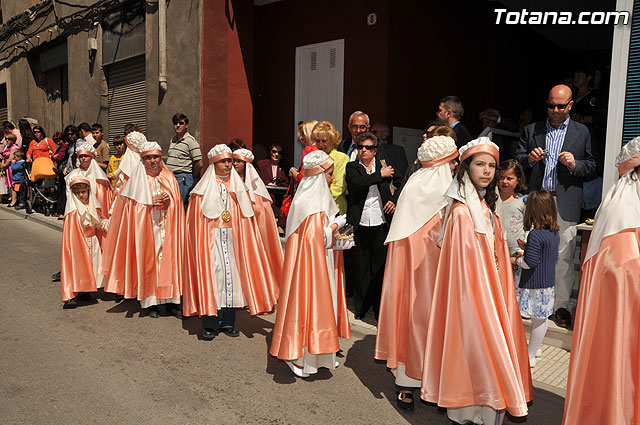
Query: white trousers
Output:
(565,267)
(477,415)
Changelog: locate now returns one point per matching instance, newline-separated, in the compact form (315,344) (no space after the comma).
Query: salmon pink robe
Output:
(270,239)
(81,253)
(252,273)
(407,290)
(476,351)
(312,311)
(604,371)
(129,261)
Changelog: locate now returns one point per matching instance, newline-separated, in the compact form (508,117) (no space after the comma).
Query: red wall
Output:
(227,51)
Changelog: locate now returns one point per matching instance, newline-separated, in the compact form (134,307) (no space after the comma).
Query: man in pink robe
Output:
(226,258)
(100,186)
(144,252)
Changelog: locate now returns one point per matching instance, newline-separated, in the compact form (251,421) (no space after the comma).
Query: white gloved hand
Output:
(340,220)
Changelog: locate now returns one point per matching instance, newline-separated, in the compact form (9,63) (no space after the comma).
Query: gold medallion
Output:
(226,216)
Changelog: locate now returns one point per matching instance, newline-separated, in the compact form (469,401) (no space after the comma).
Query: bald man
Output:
(558,154)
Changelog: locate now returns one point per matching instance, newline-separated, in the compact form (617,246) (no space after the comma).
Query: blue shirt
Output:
(17,172)
(540,254)
(553,143)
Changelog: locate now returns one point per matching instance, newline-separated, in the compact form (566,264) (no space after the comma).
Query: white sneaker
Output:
(539,352)
(336,365)
(532,363)
(296,370)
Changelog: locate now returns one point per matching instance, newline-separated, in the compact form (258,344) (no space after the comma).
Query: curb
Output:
(51,222)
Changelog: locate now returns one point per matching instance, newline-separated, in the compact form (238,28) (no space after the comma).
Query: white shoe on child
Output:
(539,352)
(296,370)
(532,363)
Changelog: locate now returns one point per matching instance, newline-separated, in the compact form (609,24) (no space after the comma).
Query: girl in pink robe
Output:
(312,311)
(476,360)
(82,238)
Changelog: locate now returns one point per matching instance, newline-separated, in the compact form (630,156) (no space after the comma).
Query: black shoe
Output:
(55,277)
(153,312)
(230,332)
(72,303)
(85,296)
(119,298)
(359,315)
(563,318)
(404,400)
(208,334)
(175,310)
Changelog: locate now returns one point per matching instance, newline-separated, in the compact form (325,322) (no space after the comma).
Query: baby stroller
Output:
(41,179)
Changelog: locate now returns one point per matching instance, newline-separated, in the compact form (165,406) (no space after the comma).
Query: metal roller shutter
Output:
(631,127)
(127,96)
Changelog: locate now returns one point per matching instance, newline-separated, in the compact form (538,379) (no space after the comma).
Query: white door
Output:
(319,85)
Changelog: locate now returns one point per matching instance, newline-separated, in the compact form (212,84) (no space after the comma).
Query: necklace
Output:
(226,215)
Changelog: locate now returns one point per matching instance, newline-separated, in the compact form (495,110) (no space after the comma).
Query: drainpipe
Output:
(162,45)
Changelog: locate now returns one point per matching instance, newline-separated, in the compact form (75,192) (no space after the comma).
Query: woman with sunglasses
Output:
(272,174)
(370,206)
(40,154)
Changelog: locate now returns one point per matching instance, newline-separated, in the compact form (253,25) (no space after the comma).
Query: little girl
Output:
(536,293)
(510,206)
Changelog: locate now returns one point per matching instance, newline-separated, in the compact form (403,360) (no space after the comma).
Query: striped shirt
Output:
(553,143)
(183,153)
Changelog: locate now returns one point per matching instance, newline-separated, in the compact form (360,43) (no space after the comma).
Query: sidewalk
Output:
(51,222)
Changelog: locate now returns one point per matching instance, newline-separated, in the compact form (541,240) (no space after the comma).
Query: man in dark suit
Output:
(358,124)
(558,154)
(393,155)
(450,112)
(370,206)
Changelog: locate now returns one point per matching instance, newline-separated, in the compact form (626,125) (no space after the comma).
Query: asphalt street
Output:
(104,364)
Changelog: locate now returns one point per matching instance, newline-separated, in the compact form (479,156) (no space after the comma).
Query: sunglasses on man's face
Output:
(367,147)
(179,123)
(554,106)
(276,151)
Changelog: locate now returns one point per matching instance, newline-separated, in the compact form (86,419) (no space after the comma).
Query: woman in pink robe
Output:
(312,311)
(410,270)
(604,370)
(476,360)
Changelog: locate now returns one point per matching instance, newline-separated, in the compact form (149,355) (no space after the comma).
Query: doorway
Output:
(319,86)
